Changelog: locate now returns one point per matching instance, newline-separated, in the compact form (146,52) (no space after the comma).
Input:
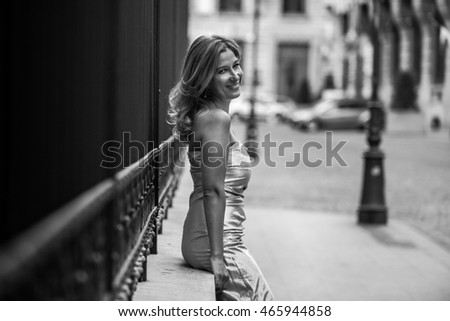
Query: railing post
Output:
(155,114)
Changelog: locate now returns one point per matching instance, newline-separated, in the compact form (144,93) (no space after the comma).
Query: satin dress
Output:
(246,282)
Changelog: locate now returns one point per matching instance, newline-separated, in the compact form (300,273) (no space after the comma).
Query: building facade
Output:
(290,46)
(379,40)
(362,45)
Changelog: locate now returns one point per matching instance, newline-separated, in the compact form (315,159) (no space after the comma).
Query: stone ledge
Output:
(169,278)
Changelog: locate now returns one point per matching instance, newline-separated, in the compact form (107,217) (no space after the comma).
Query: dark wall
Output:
(173,46)
(61,78)
(135,87)
(82,73)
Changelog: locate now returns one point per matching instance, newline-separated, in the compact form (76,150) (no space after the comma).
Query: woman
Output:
(220,169)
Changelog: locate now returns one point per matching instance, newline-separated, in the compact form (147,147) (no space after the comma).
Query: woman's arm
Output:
(213,127)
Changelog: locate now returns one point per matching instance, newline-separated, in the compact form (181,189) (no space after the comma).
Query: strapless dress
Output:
(246,280)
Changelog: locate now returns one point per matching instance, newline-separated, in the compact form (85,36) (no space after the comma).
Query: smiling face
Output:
(226,83)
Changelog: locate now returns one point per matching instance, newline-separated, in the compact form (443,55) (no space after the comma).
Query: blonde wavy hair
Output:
(191,94)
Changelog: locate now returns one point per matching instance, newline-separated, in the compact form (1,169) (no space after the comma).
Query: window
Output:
(294,6)
(230,5)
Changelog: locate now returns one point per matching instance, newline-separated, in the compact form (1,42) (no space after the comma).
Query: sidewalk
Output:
(327,256)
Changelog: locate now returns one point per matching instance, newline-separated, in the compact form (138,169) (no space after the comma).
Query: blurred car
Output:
(343,113)
(267,107)
(333,94)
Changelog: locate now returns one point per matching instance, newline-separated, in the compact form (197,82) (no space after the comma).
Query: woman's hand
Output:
(220,272)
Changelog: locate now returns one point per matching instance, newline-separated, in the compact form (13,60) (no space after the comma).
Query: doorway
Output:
(293,71)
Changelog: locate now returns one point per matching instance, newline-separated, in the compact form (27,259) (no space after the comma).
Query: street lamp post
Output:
(372,209)
(252,130)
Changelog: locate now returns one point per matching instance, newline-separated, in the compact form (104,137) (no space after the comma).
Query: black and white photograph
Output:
(227,150)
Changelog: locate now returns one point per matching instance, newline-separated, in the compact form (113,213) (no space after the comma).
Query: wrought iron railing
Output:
(170,153)
(96,247)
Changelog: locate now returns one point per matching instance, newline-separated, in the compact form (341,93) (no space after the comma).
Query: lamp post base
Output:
(372,214)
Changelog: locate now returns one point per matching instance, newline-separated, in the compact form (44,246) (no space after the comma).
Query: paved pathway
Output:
(323,256)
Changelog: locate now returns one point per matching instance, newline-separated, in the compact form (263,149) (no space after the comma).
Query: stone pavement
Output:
(328,256)
(323,256)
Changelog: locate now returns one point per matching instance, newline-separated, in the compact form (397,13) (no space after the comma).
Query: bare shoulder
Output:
(212,120)
(215,116)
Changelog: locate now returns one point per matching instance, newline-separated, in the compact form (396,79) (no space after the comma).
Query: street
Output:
(417,174)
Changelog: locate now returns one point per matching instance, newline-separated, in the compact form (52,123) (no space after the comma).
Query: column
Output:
(424,9)
(403,17)
(387,56)
(352,41)
(444,9)
(366,51)
(367,36)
